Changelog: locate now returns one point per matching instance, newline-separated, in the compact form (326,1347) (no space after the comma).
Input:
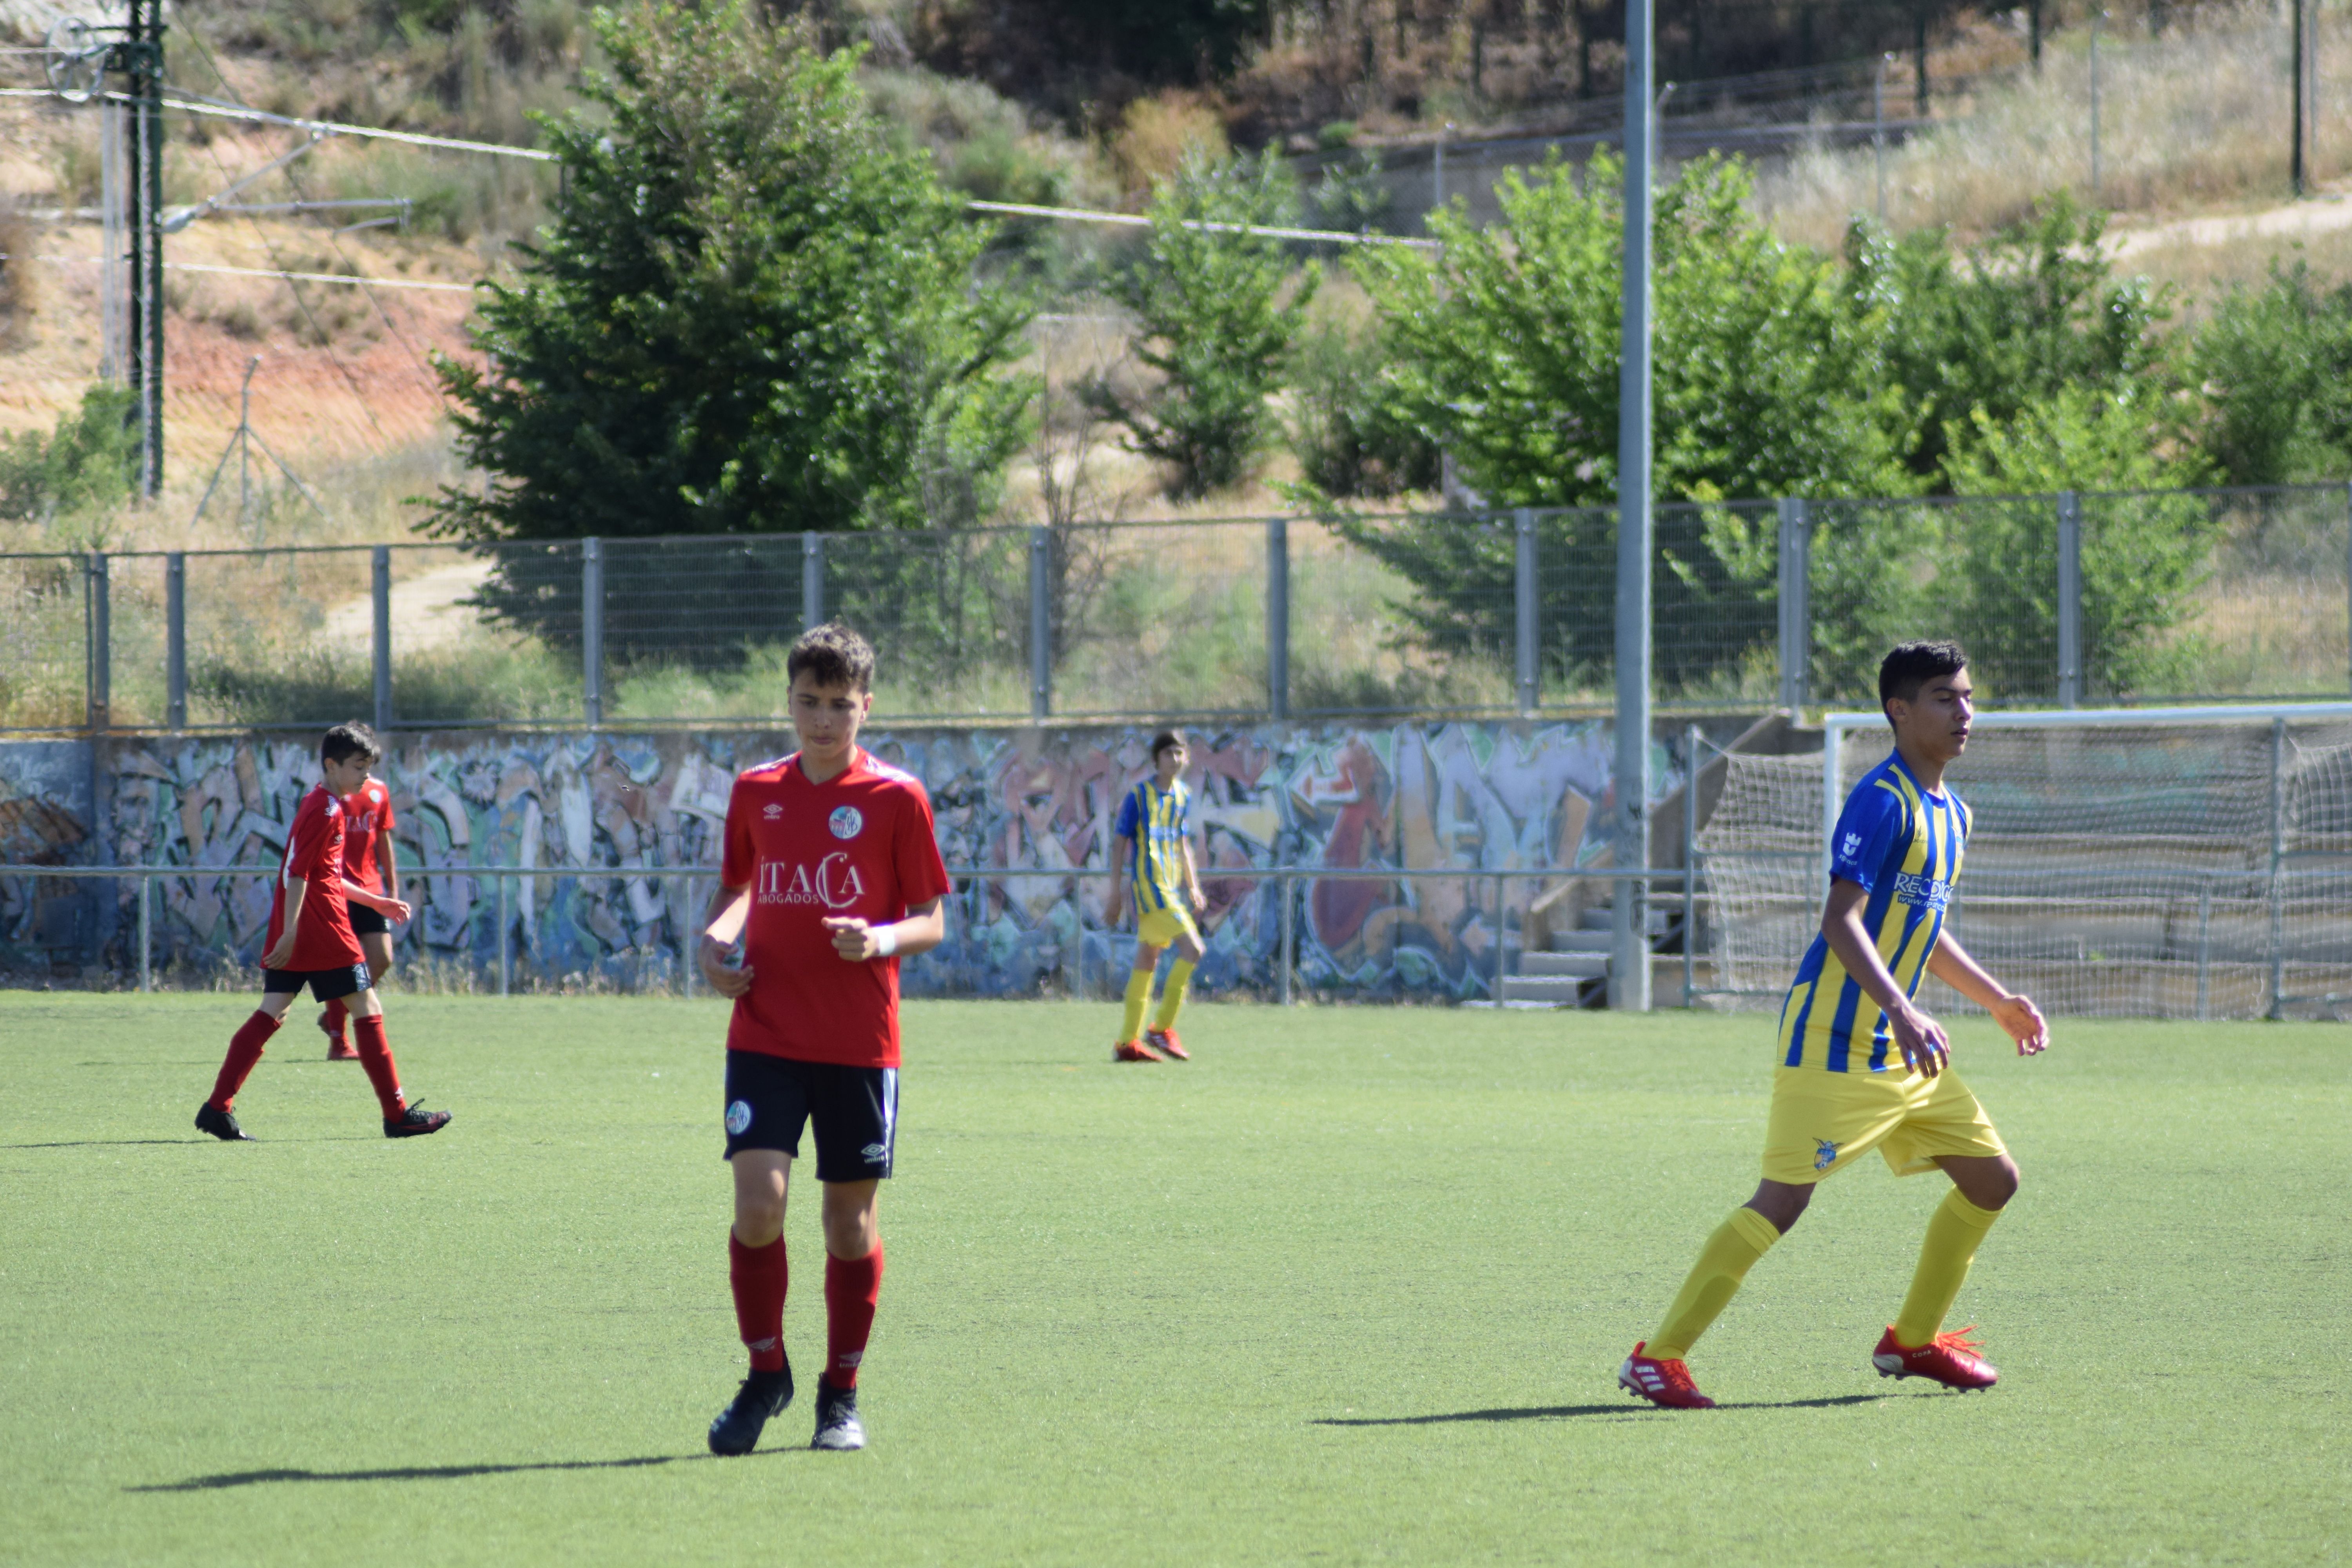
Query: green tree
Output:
(2146,547)
(2275,364)
(1213,321)
(754,314)
(2034,308)
(1504,348)
(82,470)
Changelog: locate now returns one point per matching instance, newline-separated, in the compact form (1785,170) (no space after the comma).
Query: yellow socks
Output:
(1944,1259)
(1722,1264)
(1172,1001)
(1139,997)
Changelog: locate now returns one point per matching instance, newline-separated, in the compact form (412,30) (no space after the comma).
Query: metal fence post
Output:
(2070,599)
(1796,603)
(176,640)
(592,628)
(2278,867)
(97,627)
(379,588)
(1523,525)
(1041,623)
(506,950)
(2204,948)
(1692,741)
(1277,617)
(812,581)
(146,933)
(1289,891)
(2347,560)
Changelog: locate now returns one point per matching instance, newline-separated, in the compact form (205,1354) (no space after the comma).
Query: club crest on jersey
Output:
(847,822)
(739,1118)
(1824,1154)
(832,881)
(1851,845)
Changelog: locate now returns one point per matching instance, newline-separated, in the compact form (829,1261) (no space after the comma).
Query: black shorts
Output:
(854,1110)
(326,985)
(367,922)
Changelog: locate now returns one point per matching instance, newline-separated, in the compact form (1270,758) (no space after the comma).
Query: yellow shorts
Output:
(1823,1121)
(1162,927)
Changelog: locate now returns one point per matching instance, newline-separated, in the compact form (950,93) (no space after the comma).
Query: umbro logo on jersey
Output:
(847,822)
(772,810)
(1824,1154)
(875,1152)
(832,881)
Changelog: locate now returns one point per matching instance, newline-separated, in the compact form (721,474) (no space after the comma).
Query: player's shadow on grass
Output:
(1562,1412)
(407,1473)
(104,1143)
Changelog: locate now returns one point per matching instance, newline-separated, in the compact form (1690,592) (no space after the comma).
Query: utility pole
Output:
(140,58)
(1629,966)
(2298,167)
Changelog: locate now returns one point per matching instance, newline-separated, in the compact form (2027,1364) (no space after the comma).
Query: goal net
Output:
(2185,863)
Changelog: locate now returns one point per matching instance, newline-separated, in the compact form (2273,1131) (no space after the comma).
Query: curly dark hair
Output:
(834,655)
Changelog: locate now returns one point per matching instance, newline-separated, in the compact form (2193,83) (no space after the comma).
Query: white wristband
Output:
(885,940)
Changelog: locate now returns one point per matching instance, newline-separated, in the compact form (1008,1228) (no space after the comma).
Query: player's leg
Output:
(401,1119)
(1162,1035)
(279,987)
(1818,1122)
(767,1105)
(1950,1131)
(855,1114)
(1131,1047)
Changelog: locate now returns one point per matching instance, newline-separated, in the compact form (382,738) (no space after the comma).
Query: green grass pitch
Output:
(1351,1287)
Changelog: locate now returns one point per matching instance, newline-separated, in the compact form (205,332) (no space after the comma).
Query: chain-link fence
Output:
(2062,600)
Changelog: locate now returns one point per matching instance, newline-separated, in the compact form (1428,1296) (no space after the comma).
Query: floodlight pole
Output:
(1629,967)
(141,58)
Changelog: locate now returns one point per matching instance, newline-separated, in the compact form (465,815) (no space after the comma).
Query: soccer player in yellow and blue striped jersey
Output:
(1152,843)
(1860,1065)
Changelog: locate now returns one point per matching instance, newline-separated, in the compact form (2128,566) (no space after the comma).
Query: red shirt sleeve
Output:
(384,822)
(317,849)
(923,874)
(740,860)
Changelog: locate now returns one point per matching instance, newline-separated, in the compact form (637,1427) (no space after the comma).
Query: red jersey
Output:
(367,811)
(314,852)
(860,844)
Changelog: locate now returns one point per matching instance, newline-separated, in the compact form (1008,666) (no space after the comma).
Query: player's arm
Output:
(1950,963)
(722,928)
(1925,1047)
(1122,852)
(389,908)
(280,956)
(925,927)
(1193,878)
(388,855)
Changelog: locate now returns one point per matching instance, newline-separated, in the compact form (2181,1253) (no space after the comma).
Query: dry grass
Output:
(2193,120)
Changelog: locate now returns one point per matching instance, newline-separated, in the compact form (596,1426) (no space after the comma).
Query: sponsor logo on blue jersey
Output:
(1922,892)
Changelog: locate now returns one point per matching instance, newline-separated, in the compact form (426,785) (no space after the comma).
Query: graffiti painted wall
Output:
(1029,811)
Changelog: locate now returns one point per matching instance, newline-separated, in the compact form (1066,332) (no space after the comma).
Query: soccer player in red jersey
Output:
(311,943)
(367,839)
(831,874)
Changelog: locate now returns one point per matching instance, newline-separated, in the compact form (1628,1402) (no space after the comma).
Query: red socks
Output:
(852,1286)
(244,1050)
(375,1056)
(336,1016)
(758,1276)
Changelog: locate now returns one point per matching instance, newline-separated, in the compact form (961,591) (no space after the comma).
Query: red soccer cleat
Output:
(338,1044)
(1135,1051)
(1951,1360)
(1665,1383)
(1165,1042)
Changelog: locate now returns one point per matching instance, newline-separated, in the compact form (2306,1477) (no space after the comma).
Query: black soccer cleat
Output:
(837,1425)
(415,1122)
(221,1125)
(737,1430)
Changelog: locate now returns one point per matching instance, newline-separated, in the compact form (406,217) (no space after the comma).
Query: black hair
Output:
(351,740)
(1911,666)
(1165,739)
(834,656)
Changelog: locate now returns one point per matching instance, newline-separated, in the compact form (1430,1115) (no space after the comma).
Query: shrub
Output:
(1212,321)
(86,467)
(2275,365)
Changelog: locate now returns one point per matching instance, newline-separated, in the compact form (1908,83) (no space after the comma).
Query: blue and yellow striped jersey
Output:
(1157,820)
(1904,845)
